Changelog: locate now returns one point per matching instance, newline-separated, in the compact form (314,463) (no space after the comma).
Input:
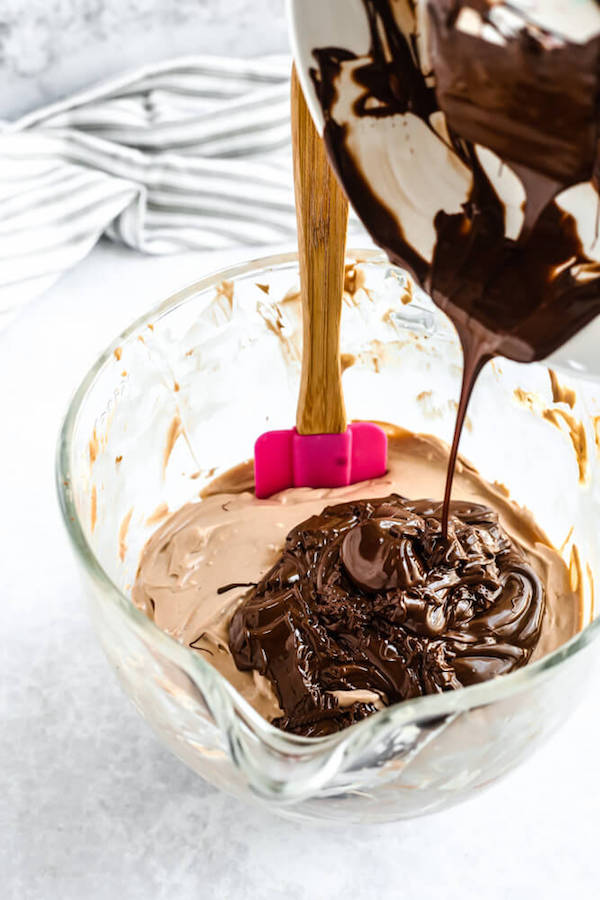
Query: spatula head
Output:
(285,459)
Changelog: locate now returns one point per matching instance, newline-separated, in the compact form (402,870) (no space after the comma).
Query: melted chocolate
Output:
(396,598)
(534,102)
(370,596)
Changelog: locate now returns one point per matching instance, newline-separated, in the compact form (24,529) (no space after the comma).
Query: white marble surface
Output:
(92,807)
(49,48)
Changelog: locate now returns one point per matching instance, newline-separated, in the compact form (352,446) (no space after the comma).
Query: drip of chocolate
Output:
(370,597)
(528,97)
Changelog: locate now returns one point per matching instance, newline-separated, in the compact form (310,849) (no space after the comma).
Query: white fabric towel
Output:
(190,154)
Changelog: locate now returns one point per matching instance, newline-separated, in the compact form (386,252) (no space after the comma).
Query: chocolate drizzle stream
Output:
(534,102)
(369,596)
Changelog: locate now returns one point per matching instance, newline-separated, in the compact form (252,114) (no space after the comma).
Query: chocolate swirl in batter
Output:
(369,596)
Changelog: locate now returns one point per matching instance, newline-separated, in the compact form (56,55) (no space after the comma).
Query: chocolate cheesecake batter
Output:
(502,114)
(364,603)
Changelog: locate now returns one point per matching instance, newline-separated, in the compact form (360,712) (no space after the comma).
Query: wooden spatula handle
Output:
(322,212)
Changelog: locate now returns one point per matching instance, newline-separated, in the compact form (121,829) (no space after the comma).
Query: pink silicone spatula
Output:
(321,451)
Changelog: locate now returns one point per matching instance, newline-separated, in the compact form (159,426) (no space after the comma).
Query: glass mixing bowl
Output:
(182,395)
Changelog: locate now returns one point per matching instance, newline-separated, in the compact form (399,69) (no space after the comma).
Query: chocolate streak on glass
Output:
(534,102)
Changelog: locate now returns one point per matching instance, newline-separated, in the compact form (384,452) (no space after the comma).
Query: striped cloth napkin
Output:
(192,154)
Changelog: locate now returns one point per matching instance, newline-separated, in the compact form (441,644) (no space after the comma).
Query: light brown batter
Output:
(230,536)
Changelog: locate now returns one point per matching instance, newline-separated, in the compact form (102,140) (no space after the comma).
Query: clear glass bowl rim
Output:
(196,667)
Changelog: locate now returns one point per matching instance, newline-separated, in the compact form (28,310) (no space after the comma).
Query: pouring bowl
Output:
(409,158)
